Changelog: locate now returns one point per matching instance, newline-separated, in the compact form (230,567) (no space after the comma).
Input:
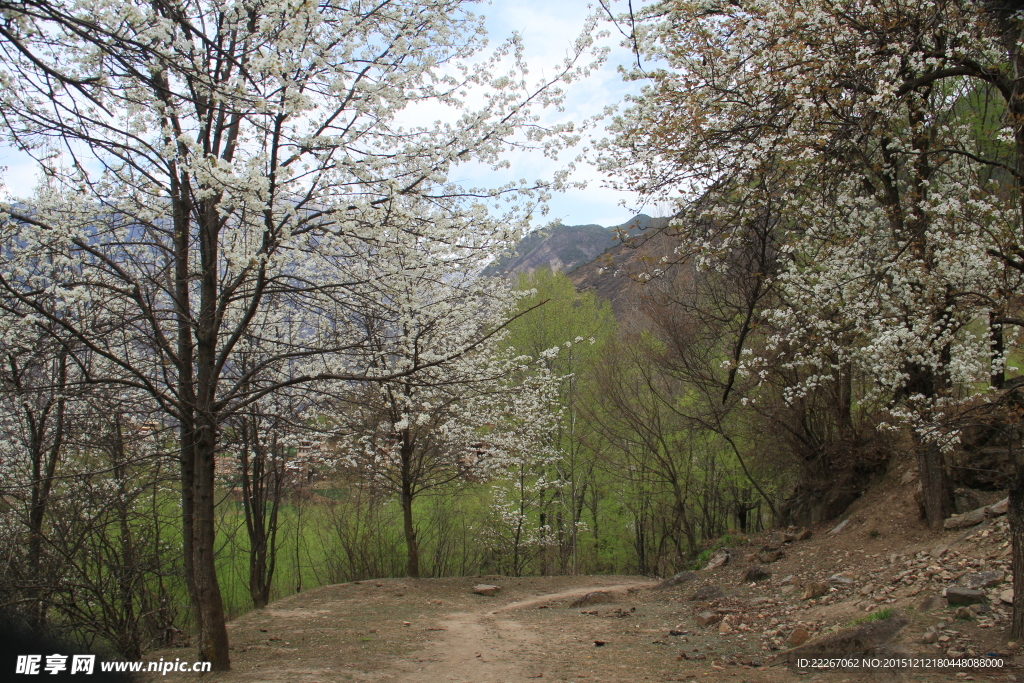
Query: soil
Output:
(439,631)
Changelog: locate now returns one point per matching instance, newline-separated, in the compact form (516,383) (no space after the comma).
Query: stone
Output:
(788,580)
(965,500)
(708,593)
(725,627)
(930,636)
(786,590)
(929,603)
(815,589)
(798,637)
(981,579)
(593,598)
(955,595)
(842,579)
(680,578)
(841,526)
(866,590)
(755,574)
(779,537)
(964,613)
(1006,596)
(972,518)
(908,477)
(978,608)
(938,551)
(708,618)
(486,589)
(802,535)
(719,559)
(1000,508)
(769,556)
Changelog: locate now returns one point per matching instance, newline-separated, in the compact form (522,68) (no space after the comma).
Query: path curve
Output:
(488,647)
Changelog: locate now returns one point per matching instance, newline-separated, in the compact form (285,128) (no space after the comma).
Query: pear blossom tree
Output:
(470,419)
(219,176)
(884,141)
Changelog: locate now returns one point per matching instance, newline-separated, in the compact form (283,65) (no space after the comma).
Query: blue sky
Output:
(548,28)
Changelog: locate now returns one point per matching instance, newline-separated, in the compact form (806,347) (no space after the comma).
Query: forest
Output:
(255,337)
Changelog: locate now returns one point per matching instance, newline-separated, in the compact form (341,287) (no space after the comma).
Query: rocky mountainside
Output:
(567,247)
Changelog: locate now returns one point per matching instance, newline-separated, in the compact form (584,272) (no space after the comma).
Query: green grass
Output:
(878,615)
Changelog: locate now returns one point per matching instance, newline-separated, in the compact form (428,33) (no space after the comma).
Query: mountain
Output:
(566,247)
(618,274)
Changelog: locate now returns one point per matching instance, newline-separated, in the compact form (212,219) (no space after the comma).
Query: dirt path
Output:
(488,647)
(439,631)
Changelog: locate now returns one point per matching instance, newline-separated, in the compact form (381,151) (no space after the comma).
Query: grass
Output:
(879,615)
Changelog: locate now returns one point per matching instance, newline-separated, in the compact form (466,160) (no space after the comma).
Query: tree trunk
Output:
(411,543)
(213,634)
(936,490)
(1016,517)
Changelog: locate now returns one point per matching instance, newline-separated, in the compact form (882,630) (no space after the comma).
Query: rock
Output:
(978,608)
(802,535)
(769,556)
(929,603)
(981,579)
(708,619)
(866,590)
(789,580)
(779,537)
(964,613)
(681,577)
(594,598)
(840,527)
(965,500)
(972,518)
(849,641)
(930,636)
(758,601)
(815,589)
(842,579)
(938,551)
(955,595)
(486,589)
(1006,596)
(908,477)
(708,593)
(725,627)
(798,637)
(755,574)
(786,590)
(1000,508)
(719,559)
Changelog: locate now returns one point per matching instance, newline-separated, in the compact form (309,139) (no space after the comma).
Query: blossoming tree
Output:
(221,176)
(883,142)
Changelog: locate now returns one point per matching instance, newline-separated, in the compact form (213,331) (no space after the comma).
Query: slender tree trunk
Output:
(1016,518)
(44,469)
(411,543)
(213,635)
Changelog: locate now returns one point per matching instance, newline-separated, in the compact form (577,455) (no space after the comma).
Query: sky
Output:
(548,29)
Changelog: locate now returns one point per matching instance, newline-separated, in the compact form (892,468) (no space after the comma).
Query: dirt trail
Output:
(482,647)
